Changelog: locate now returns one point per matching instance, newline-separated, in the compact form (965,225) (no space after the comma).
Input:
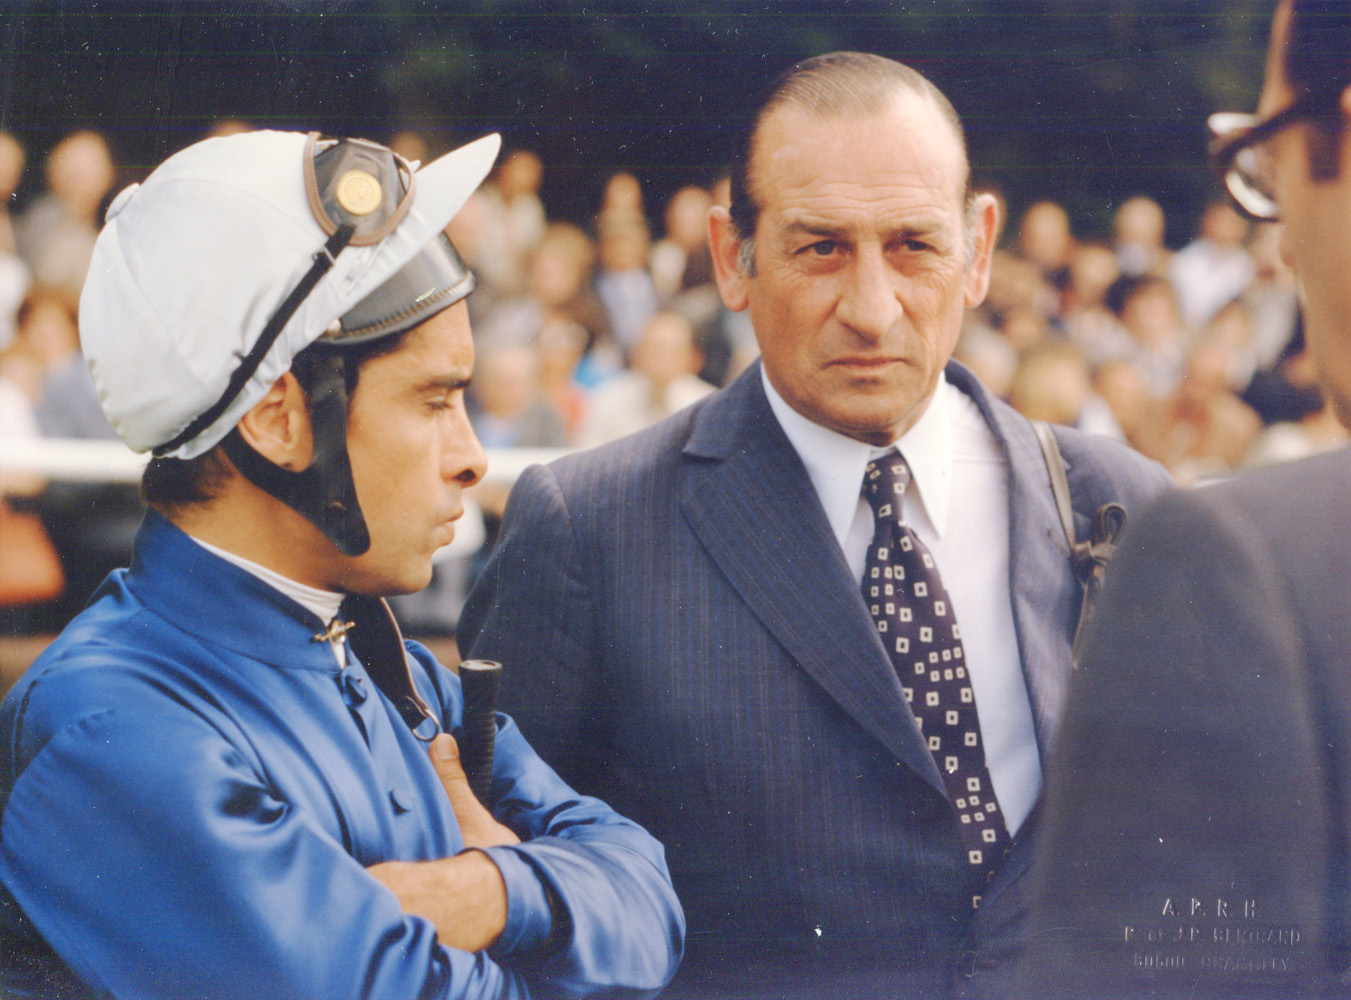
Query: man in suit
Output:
(1196,831)
(680,612)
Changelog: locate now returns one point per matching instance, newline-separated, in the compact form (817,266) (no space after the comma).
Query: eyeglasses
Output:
(1239,154)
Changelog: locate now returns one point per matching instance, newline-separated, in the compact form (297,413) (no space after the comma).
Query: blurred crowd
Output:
(589,332)
(1195,357)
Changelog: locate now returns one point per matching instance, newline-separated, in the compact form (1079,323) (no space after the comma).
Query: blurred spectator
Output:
(1214,268)
(623,282)
(1232,329)
(92,525)
(68,406)
(11,171)
(715,332)
(1208,430)
(56,235)
(1147,309)
(560,347)
(14,274)
(1045,239)
(20,386)
(1052,383)
(991,357)
(724,338)
(559,290)
(661,381)
(30,567)
(682,275)
(623,195)
(1025,328)
(1088,321)
(507,407)
(1138,230)
(47,324)
(1016,282)
(681,260)
(512,222)
(1092,270)
(1122,386)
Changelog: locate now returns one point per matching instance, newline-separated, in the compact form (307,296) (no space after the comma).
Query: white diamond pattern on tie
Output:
(913,613)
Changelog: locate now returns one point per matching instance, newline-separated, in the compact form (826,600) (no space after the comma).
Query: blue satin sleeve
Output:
(590,902)
(156,863)
(192,791)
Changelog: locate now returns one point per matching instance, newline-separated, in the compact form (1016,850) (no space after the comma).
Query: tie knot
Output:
(884,483)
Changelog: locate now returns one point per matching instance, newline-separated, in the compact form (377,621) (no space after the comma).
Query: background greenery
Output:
(1084,101)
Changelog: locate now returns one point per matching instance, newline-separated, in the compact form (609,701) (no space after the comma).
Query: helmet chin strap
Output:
(323,493)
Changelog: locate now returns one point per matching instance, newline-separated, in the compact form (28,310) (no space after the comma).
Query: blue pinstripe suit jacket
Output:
(683,638)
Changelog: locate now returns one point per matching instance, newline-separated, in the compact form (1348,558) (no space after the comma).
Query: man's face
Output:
(861,273)
(413,453)
(1316,229)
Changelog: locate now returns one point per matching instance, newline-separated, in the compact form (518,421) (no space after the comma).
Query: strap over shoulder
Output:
(1090,558)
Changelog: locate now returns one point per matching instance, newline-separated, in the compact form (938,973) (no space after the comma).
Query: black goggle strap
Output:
(323,261)
(324,492)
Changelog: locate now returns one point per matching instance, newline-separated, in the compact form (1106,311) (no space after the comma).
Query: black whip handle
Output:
(478,729)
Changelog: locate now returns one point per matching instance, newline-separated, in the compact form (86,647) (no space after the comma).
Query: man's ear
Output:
(984,225)
(725,245)
(278,427)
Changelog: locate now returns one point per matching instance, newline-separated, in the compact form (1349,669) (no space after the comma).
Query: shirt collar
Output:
(324,603)
(221,603)
(928,450)
(836,463)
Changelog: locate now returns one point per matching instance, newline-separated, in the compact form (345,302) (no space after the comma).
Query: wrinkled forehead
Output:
(907,120)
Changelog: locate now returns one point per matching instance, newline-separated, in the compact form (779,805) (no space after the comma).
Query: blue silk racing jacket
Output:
(192,791)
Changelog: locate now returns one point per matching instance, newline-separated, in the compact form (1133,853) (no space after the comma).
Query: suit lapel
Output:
(1041,582)
(752,505)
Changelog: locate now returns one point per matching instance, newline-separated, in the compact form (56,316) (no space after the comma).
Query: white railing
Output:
(114,462)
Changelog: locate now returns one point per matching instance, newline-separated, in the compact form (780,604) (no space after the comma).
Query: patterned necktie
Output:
(914,615)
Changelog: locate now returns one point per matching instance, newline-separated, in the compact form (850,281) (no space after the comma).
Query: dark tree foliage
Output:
(1084,101)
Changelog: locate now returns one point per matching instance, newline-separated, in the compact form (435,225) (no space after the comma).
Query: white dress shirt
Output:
(959,506)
